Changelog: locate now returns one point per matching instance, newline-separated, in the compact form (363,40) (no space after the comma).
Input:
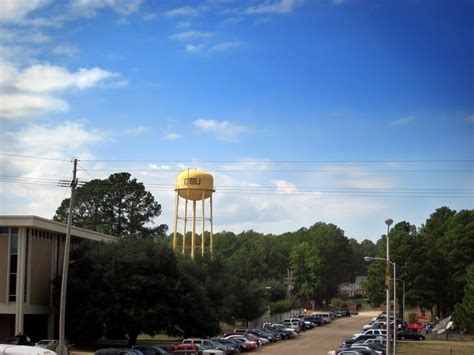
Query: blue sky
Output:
(262,85)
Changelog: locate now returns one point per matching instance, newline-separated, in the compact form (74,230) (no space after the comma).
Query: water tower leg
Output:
(202,235)
(211,245)
(185,224)
(193,240)
(175,223)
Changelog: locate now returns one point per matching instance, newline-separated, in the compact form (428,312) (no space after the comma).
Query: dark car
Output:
(232,345)
(315,320)
(407,334)
(118,351)
(20,339)
(349,342)
(353,351)
(150,349)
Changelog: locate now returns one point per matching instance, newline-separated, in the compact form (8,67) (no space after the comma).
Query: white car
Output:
(374,325)
(370,332)
(8,349)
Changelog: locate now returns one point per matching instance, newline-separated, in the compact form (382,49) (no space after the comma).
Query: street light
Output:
(370,258)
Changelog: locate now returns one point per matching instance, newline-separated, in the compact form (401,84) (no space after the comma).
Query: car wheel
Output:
(402,337)
(420,338)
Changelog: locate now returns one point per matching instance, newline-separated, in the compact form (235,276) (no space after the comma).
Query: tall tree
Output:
(464,311)
(118,206)
(128,287)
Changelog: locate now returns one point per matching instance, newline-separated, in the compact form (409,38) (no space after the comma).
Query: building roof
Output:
(47,224)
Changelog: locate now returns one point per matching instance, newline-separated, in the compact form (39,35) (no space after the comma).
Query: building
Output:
(354,289)
(31,254)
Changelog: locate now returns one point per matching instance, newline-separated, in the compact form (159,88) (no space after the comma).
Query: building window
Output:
(14,263)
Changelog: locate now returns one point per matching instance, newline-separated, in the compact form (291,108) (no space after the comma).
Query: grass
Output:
(437,347)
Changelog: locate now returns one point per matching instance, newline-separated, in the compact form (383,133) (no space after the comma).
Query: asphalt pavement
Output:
(320,340)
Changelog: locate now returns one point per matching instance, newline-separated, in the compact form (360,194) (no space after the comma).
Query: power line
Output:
(291,171)
(34,157)
(250,160)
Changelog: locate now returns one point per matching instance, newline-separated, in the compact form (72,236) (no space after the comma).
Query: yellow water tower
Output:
(193,185)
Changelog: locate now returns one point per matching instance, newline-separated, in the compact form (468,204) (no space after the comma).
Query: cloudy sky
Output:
(342,111)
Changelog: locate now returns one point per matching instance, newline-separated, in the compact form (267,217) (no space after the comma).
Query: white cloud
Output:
(15,106)
(65,50)
(21,36)
(41,78)
(90,7)
(27,92)
(223,46)
(15,10)
(187,35)
(272,7)
(224,130)
(137,131)
(62,141)
(193,48)
(402,121)
(182,11)
(172,136)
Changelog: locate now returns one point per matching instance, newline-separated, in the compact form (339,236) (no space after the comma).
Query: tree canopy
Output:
(118,206)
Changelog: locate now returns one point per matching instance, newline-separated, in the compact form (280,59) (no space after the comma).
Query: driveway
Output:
(320,340)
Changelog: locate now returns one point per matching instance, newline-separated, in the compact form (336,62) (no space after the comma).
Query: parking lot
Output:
(320,340)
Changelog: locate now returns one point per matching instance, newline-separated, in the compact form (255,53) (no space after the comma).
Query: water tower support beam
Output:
(211,245)
(176,223)
(193,240)
(185,223)
(203,214)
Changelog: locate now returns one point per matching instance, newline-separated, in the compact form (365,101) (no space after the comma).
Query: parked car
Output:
(371,331)
(248,344)
(353,351)
(348,342)
(150,350)
(409,335)
(50,344)
(8,349)
(19,339)
(233,347)
(187,349)
(118,351)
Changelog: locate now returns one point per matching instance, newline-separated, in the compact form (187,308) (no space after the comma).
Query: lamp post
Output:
(387,350)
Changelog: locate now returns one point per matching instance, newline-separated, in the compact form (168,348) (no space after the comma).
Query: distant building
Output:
(31,254)
(354,289)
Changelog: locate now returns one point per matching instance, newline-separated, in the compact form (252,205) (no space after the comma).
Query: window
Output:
(14,263)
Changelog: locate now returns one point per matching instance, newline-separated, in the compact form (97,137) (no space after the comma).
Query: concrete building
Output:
(31,254)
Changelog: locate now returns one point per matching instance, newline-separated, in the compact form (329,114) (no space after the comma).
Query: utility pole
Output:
(62,349)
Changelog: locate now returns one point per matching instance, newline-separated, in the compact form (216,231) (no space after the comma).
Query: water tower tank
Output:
(194,185)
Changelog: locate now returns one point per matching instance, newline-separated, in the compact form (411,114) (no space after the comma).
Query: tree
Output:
(125,288)
(118,206)
(464,311)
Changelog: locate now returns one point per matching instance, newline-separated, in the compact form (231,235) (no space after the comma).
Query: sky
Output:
(346,112)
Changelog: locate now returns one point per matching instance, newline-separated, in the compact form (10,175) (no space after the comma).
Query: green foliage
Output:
(464,311)
(118,206)
(134,286)
(282,306)
(336,303)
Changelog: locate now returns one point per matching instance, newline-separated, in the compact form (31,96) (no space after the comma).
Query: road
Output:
(320,340)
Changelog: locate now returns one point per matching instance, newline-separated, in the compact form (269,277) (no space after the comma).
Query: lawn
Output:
(435,347)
